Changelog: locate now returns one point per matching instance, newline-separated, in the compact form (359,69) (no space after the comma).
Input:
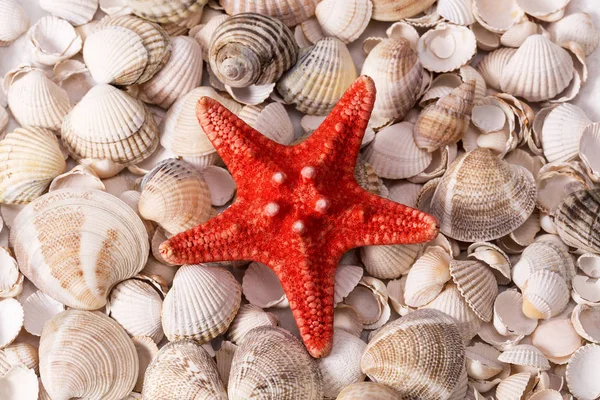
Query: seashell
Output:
(18,354)
(146,351)
(497,17)
(446,121)
(546,394)
(121,129)
(542,255)
(427,277)
(81,176)
(493,64)
(136,305)
(398,76)
(468,73)
(370,300)
(346,279)
(508,316)
(224,358)
(588,146)
(558,180)
(11,279)
(249,317)
(544,9)
(14,21)
(525,355)
(557,145)
(398,357)
(345,20)
(165,11)
(388,262)
(77,12)
(585,321)
(586,290)
(262,287)
(53,40)
(517,34)
(251,49)
(494,257)
(3,120)
(342,366)
(311,30)
(266,352)
(19,383)
(347,319)
(394,154)
(29,159)
(589,263)
(11,314)
(446,48)
(514,387)
(404,192)
(203,33)
(582,373)
(86,354)
(272,121)
(290,12)
(114,7)
(486,40)
(201,304)
(494,182)
(183,370)
(220,184)
(577,27)
(319,78)
(34,100)
(39,308)
(178,76)
(545,294)
(551,68)
(391,10)
(556,339)
(51,232)
(490,335)
(368,390)
(456,11)
(367,178)
(477,285)
(576,220)
(482,361)
(441,86)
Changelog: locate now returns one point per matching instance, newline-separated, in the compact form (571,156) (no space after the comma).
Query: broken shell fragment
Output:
(53,40)
(585,321)
(577,27)
(370,300)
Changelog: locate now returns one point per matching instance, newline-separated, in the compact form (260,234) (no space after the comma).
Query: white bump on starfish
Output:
(322,205)
(278,177)
(272,209)
(298,227)
(308,172)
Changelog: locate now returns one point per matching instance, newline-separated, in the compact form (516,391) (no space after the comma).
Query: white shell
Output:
(585,320)
(370,300)
(344,19)
(203,33)
(557,339)
(446,48)
(458,12)
(427,277)
(497,17)
(508,316)
(347,319)
(224,358)
(525,355)
(249,317)
(272,121)
(146,350)
(39,308)
(492,66)
(543,9)
(262,287)
(514,387)
(588,146)
(486,40)
(346,279)
(11,279)
(516,35)
(589,263)
(11,314)
(19,383)
(220,184)
(13,21)
(53,40)
(482,361)
(389,262)
(562,131)
(77,12)
(577,27)
(81,176)
(545,295)
(583,374)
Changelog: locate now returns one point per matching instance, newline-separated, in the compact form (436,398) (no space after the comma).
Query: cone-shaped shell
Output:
(395,10)
(398,77)
(86,354)
(526,355)
(13,21)
(343,19)
(368,390)
(477,284)
(249,317)
(65,236)
(165,11)
(77,12)
(251,49)
(268,352)
(290,12)
(446,121)
(29,159)
(576,220)
(483,198)
(577,27)
(403,355)
(538,71)
(183,370)
(201,304)
(427,277)
(317,81)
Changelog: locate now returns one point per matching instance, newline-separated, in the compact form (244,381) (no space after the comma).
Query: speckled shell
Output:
(403,356)
(165,10)
(183,370)
(268,352)
(398,77)
(53,233)
(344,19)
(86,354)
(175,196)
(251,49)
(576,220)
(395,10)
(319,78)
(368,390)
(13,21)
(290,12)
(77,12)
(29,159)
(483,198)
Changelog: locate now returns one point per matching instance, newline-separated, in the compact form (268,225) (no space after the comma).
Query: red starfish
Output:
(298,208)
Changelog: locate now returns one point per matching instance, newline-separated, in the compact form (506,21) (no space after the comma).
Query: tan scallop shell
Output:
(561,132)
(480,175)
(446,48)
(53,40)
(249,317)
(427,277)
(266,352)
(29,159)
(497,17)
(388,262)
(345,20)
(183,370)
(477,285)
(165,11)
(576,220)
(290,12)
(514,387)
(201,304)
(11,313)
(86,354)
(52,234)
(77,12)
(395,10)
(577,27)
(368,390)
(13,21)
(582,375)
(19,354)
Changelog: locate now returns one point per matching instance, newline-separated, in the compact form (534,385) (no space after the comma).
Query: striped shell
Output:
(77,12)
(576,220)
(290,12)
(395,10)
(165,10)
(13,21)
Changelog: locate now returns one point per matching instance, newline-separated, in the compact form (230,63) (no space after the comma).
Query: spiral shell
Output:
(290,12)
(165,10)
(13,21)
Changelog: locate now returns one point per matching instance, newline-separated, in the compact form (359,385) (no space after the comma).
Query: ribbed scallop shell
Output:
(65,236)
(345,20)
(272,121)
(249,317)
(446,121)
(175,196)
(19,383)
(109,124)
(29,159)
(492,66)
(446,48)
(164,11)
(53,40)
(456,11)
(576,220)
(13,21)
(19,354)
(290,12)
(514,387)
(179,75)
(527,355)
(86,354)
(544,255)
(577,27)
(77,12)
(269,352)
(426,278)
(516,35)
(183,370)
(34,100)
(388,262)
(495,16)
(201,304)
(319,78)
(251,49)
(482,198)
(562,131)
(539,70)
(508,315)
(398,76)
(396,10)
(368,390)
(477,285)
(402,355)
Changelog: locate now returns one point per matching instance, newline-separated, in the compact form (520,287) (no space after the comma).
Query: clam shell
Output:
(52,233)
(39,308)
(345,20)
(446,48)
(544,255)
(11,313)
(183,370)
(545,295)
(77,12)
(583,378)
(13,21)
(53,40)
(525,355)
(272,121)
(249,317)
(576,220)
(398,76)
(29,159)
(482,361)
(224,358)
(517,34)
(146,351)
(11,279)
(486,40)
(165,11)
(201,304)
(588,145)
(388,262)
(81,176)
(19,383)
(477,285)
(508,316)
(266,352)
(347,319)
(542,9)
(495,16)
(490,335)
(398,357)
(321,75)
(346,279)
(368,390)
(290,12)
(86,354)
(586,290)
(557,144)
(492,66)
(589,263)
(557,339)
(398,30)
(514,387)
(494,257)
(577,27)
(18,354)
(262,287)
(370,300)
(427,277)
(458,12)
(395,10)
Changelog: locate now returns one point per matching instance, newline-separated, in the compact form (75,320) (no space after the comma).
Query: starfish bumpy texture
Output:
(298,208)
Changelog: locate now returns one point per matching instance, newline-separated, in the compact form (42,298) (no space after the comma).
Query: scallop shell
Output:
(347,278)
(290,12)
(544,9)
(446,121)
(165,11)
(488,334)
(544,255)
(347,319)
(497,17)
(486,40)
(427,277)
(388,262)
(11,314)
(398,76)
(224,358)
(551,68)
(77,12)
(456,11)
(588,145)
(482,361)
(146,351)
(557,144)
(34,100)
(86,354)
(18,354)
(577,27)
(53,40)
(508,316)
(11,279)
(249,317)
(576,220)
(396,10)
(397,356)
(477,285)
(13,21)
(516,35)
(179,75)
(183,370)
(556,339)
(544,295)
(29,159)
(272,121)
(262,287)
(585,321)
(52,232)
(514,387)
(201,304)
(81,176)
(583,378)
(39,308)
(266,352)
(19,383)
(446,48)
(368,390)
(494,257)
(492,66)
(586,290)
(525,355)
(345,20)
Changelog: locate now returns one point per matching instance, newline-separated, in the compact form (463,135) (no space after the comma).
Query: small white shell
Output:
(486,40)
(39,308)
(585,320)
(446,48)
(77,12)
(389,262)
(458,12)
(272,121)
(492,66)
(577,27)
(482,361)
(81,176)
(514,387)
(346,318)
(427,277)
(583,373)
(586,290)
(589,263)
(516,35)
(495,16)
(346,279)
(11,314)
(13,21)
(370,300)
(19,383)
(543,9)
(11,279)
(525,355)
(562,131)
(53,40)
(249,317)
(203,33)
(146,350)
(557,339)
(262,288)
(508,316)
(545,295)
(588,147)
(344,19)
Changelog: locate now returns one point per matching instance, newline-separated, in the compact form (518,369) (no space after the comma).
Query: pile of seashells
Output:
(102,158)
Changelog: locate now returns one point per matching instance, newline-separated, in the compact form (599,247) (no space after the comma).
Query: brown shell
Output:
(577,220)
